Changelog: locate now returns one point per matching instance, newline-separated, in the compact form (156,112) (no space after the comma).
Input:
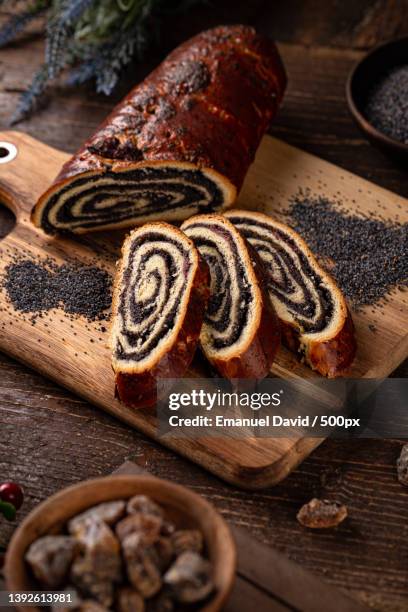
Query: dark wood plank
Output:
(246,597)
(356,24)
(268,578)
(286,581)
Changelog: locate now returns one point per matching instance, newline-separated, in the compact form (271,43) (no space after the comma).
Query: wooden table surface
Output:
(50,438)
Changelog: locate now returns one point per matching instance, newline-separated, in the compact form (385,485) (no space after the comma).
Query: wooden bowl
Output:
(362,78)
(185,508)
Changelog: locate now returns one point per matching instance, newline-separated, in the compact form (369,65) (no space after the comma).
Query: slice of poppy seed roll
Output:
(313,312)
(179,144)
(240,333)
(160,295)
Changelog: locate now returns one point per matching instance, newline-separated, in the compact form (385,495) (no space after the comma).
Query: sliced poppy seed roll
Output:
(179,144)
(240,333)
(312,309)
(160,295)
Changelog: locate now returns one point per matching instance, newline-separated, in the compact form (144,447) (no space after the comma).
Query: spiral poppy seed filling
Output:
(232,292)
(291,278)
(312,310)
(302,293)
(155,281)
(160,295)
(122,197)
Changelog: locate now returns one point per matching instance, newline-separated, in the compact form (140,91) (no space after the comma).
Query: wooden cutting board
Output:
(74,353)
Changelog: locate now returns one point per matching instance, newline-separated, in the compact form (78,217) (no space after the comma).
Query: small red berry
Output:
(12,493)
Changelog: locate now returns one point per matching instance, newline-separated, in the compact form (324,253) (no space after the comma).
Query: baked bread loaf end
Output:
(179,144)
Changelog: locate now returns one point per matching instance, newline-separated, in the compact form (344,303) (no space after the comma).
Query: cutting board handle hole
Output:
(8,152)
(7,221)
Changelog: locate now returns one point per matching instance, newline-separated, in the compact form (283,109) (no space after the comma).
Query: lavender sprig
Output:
(95,39)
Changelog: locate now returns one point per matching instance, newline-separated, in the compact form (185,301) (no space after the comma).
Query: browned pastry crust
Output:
(136,377)
(197,119)
(315,319)
(333,357)
(237,277)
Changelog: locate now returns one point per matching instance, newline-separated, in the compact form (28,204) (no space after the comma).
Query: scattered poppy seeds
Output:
(34,287)
(367,257)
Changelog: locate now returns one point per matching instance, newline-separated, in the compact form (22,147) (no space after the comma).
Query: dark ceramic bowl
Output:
(362,78)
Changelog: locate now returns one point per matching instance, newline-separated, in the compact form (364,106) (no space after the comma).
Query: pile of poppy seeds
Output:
(37,287)
(387,104)
(366,256)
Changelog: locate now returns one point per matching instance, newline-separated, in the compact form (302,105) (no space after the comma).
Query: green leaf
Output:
(8,510)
